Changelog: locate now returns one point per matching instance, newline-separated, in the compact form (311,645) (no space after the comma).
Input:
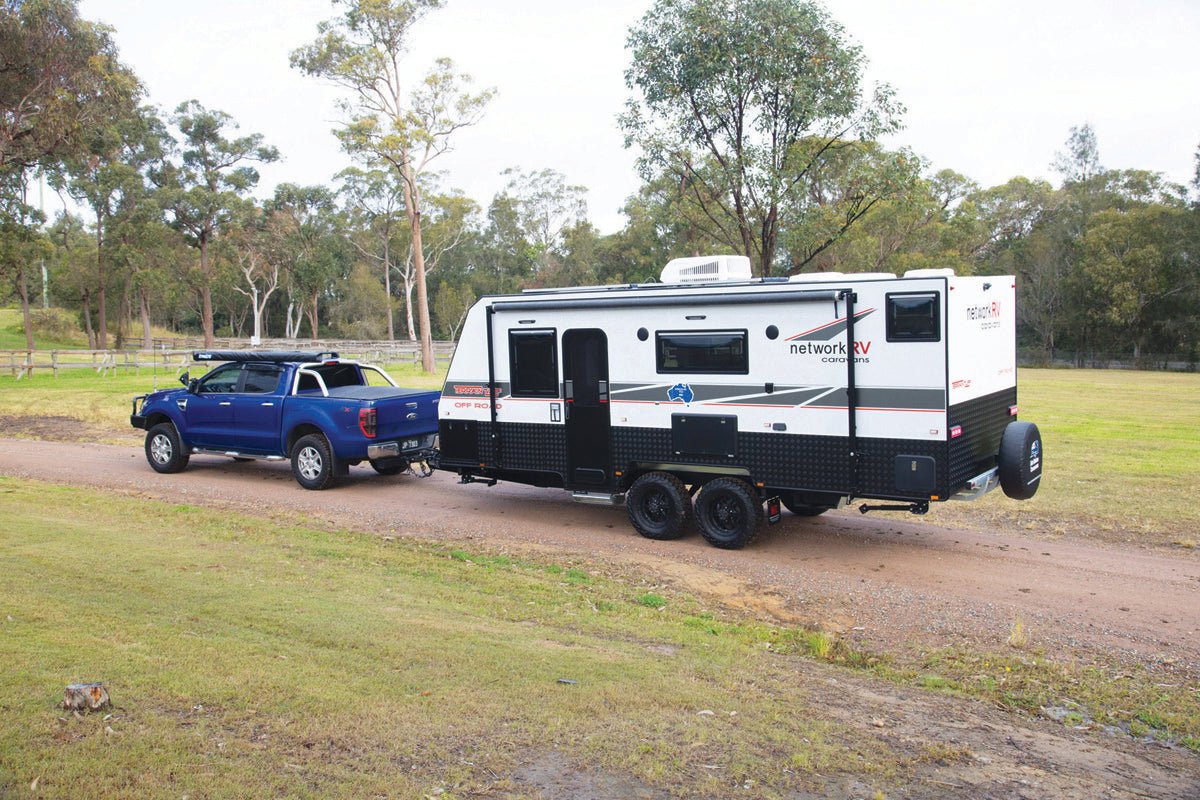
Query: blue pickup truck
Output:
(322,412)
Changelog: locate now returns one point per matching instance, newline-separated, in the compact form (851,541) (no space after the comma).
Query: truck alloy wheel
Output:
(164,451)
(659,506)
(312,462)
(728,513)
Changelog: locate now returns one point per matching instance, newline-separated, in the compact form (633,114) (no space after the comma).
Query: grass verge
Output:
(243,652)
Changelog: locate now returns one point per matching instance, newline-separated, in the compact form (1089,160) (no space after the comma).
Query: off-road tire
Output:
(313,462)
(729,513)
(164,450)
(1020,460)
(659,506)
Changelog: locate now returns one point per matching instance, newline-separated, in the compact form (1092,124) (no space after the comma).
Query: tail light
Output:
(956,432)
(368,422)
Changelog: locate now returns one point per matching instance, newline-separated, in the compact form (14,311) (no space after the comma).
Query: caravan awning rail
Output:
(661,301)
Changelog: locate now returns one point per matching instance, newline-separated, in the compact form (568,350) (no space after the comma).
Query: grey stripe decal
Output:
(888,398)
(825,334)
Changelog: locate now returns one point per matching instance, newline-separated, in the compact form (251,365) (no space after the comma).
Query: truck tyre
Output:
(164,450)
(728,512)
(387,467)
(1020,460)
(659,506)
(313,462)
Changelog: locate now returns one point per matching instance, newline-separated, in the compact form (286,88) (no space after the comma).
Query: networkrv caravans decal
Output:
(822,342)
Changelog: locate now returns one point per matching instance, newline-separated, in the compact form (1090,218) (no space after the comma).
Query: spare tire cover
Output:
(1020,460)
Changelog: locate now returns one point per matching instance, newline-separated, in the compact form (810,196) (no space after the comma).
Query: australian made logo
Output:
(819,342)
(681,392)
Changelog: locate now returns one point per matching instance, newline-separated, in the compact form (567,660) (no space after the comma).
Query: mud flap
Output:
(774,510)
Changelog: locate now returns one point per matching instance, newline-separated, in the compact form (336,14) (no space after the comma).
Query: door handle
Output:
(268,404)
(224,403)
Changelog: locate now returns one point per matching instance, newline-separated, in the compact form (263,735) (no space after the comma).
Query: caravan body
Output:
(816,390)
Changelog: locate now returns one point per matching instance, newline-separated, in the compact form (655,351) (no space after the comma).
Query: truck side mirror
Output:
(193,386)
(184,378)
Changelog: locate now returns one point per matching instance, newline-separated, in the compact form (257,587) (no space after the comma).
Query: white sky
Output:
(991,88)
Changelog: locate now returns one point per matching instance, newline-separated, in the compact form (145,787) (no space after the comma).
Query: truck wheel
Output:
(1020,460)
(729,513)
(387,467)
(313,462)
(659,506)
(164,450)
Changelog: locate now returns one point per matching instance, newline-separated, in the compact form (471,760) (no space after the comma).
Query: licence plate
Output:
(411,444)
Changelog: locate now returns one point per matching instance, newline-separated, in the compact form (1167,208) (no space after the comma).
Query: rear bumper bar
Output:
(980,485)
(420,449)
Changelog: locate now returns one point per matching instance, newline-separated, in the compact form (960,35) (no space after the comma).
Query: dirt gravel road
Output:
(884,582)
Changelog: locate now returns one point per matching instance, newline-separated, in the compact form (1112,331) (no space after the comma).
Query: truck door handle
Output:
(224,403)
(268,404)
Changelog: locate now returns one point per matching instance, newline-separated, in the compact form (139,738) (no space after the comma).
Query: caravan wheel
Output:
(728,512)
(659,506)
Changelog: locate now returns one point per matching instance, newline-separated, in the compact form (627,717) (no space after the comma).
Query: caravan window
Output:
(714,352)
(533,363)
(914,317)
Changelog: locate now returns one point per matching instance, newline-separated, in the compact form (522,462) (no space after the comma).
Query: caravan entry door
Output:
(589,428)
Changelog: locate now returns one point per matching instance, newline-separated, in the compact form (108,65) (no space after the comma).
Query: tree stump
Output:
(85,697)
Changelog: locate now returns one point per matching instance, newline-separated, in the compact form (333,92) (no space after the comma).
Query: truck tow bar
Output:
(920,507)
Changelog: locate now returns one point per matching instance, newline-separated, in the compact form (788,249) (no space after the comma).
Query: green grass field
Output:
(247,652)
(266,652)
(1121,447)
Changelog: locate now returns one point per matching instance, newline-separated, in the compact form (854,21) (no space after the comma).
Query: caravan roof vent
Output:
(945,272)
(707,269)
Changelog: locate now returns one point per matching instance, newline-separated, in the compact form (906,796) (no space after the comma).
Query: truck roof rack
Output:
(272,356)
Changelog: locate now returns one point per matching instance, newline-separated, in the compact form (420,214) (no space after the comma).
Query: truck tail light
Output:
(368,421)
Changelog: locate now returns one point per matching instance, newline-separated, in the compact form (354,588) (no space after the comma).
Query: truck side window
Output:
(222,380)
(533,363)
(260,379)
(713,352)
(914,317)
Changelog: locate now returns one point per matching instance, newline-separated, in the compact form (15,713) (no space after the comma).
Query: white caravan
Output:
(808,391)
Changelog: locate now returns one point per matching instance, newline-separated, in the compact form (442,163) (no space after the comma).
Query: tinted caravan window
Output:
(533,363)
(714,352)
(914,317)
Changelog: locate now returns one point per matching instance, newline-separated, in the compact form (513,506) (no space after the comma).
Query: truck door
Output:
(209,411)
(256,409)
(589,428)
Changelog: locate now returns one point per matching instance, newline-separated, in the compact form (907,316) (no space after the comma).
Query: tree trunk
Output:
(206,314)
(408,309)
(144,306)
(312,312)
(23,290)
(387,284)
(85,297)
(102,287)
(412,202)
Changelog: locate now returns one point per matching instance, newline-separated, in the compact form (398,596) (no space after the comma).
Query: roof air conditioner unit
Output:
(707,269)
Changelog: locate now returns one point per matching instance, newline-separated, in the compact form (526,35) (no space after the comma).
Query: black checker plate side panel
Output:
(526,446)
(983,421)
(790,461)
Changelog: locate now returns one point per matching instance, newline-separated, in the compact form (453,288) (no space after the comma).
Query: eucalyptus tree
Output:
(546,207)
(113,176)
(308,235)
(207,186)
(375,206)
(393,117)
(745,105)
(59,77)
